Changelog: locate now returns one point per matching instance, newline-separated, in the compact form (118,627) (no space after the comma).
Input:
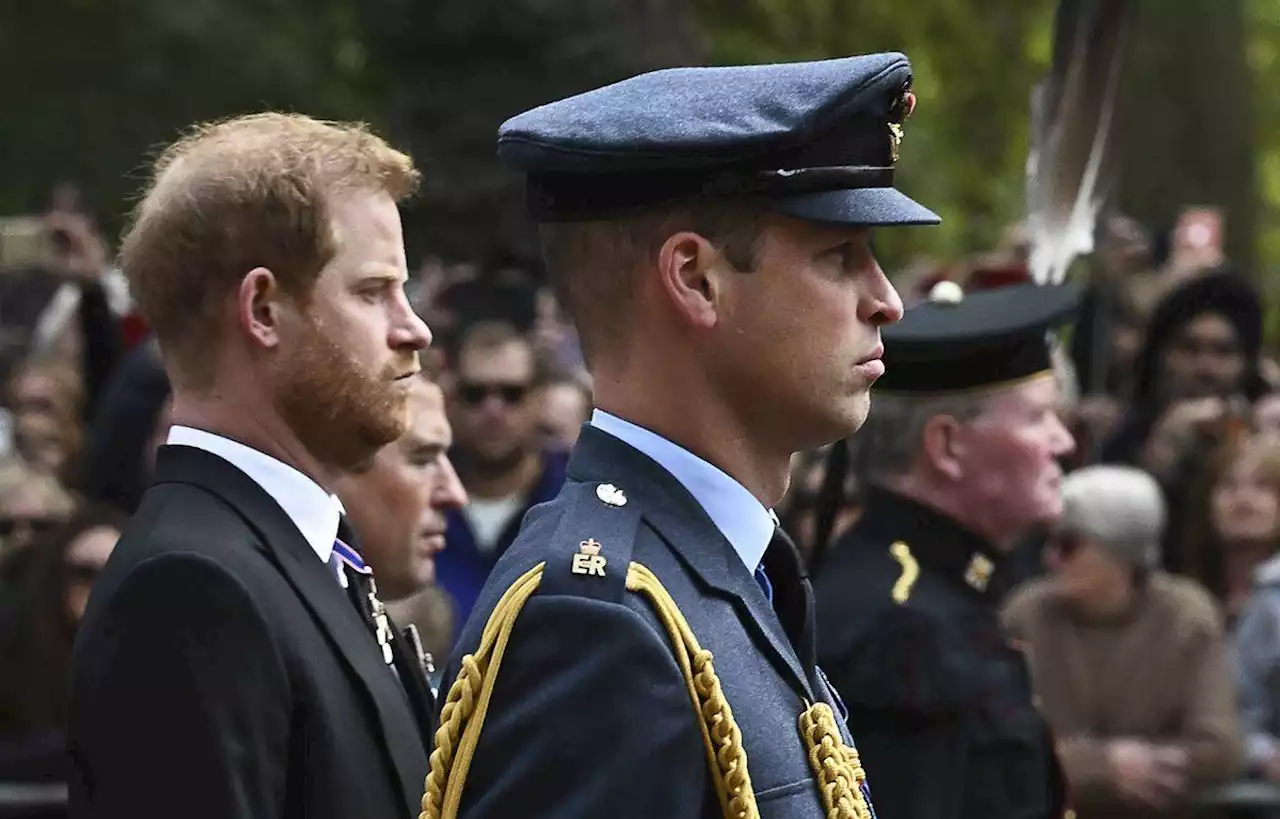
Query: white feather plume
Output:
(1071,134)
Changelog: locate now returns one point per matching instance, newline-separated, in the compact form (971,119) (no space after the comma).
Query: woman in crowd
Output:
(31,503)
(37,631)
(1243,516)
(1129,661)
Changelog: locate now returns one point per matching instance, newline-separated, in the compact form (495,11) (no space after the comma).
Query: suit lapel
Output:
(690,533)
(319,590)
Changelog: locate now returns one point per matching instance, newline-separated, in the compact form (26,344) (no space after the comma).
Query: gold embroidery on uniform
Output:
(910,571)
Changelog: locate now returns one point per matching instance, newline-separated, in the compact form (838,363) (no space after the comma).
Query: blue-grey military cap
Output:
(820,139)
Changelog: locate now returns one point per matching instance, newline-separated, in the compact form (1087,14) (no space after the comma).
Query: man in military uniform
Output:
(963,446)
(645,647)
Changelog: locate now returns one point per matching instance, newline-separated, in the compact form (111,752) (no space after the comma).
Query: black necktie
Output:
(792,597)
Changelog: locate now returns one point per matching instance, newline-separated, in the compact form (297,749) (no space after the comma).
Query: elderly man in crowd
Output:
(962,449)
(1128,660)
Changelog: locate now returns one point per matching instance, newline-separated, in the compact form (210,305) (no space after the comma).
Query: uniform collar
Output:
(743,520)
(937,542)
(314,511)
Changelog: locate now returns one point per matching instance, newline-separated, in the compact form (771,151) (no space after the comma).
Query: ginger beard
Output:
(342,414)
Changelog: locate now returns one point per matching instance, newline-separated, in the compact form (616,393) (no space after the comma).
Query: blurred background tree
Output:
(94,85)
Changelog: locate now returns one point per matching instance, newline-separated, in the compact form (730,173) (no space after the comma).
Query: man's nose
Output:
(882,304)
(449,492)
(408,330)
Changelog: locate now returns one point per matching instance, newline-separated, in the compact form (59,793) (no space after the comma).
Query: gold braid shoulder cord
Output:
(835,765)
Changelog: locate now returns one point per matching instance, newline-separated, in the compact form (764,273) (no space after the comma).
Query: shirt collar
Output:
(740,517)
(314,511)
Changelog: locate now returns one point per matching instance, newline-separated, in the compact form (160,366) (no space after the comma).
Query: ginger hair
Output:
(238,194)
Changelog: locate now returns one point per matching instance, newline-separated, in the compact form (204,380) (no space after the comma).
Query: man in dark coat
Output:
(961,449)
(709,231)
(234,660)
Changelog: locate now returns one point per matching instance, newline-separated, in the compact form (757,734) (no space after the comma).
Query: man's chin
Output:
(835,423)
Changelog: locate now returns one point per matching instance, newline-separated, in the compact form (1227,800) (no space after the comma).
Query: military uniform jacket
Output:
(590,715)
(221,670)
(939,700)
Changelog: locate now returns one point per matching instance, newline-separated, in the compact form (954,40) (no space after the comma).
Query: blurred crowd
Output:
(1150,616)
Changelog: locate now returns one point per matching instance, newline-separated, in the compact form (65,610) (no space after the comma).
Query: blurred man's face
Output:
(1204,359)
(1009,456)
(399,507)
(562,410)
(494,408)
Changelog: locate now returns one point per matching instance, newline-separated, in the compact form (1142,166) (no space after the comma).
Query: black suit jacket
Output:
(939,699)
(590,716)
(221,671)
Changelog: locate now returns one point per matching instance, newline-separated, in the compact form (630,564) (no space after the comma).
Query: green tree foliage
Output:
(975,64)
(93,86)
(1186,119)
(459,68)
(1263,27)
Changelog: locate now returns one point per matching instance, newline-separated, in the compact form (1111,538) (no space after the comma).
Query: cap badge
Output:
(946,292)
(978,575)
(895,139)
(898,115)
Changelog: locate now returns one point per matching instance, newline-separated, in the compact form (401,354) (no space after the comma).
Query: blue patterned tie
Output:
(765,585)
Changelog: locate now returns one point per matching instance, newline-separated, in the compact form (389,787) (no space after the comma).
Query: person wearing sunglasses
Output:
(499,453)
(1129,661)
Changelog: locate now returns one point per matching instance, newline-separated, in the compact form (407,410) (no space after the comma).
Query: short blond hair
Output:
(236,194)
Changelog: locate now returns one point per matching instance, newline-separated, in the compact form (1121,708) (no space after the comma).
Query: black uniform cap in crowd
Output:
(958,342)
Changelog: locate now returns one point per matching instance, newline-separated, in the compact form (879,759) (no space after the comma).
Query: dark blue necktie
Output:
(765,585)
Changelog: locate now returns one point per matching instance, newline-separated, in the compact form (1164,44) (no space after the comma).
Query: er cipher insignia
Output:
(588,560)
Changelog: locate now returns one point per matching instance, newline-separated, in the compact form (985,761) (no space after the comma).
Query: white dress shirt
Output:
(314,511)
(741,518)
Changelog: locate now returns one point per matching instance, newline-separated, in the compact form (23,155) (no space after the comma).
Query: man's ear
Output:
(258,307)
(688,270)
(944,444)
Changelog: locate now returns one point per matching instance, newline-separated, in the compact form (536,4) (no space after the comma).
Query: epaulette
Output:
(589,553)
